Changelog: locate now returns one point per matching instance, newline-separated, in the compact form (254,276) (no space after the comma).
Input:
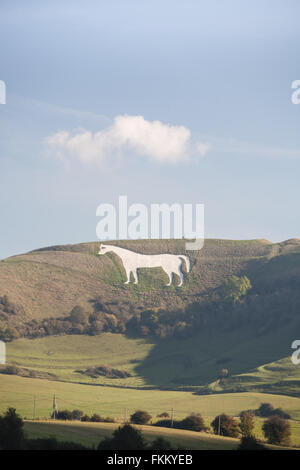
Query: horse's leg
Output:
(128,276)
(179,273)
(169,273)
(134,272)
(181,278)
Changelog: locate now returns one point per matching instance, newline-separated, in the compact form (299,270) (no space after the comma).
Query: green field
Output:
(19,393)
(194,362)
(90,434)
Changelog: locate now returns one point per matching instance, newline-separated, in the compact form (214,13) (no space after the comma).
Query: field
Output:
(180,373)
(254,363)
(51,281)
(19,393)
(90,434)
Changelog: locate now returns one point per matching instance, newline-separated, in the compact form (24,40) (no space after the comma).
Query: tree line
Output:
(276,430)
(234,305)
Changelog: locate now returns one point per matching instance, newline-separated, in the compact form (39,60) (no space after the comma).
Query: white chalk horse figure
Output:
(133,261)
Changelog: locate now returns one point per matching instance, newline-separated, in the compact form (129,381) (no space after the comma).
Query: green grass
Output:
(90,434)
(19,392)
(49,282)
(254,363)
(63,355)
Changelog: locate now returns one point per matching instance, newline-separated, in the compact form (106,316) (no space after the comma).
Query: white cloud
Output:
(153,139)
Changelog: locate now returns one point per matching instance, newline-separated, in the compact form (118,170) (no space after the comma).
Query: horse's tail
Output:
(187,262)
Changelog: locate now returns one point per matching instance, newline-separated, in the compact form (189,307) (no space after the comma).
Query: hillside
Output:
(183,342)
(49,282)
(90,434)
(107,401)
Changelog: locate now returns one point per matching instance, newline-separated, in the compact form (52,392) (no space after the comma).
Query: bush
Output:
(194,422)
(166,423)
(282,414)
(140,417)
(236,287)
(227,425)
(77,415)
(96,418)
(108,419)
(78,315)
(266,409)
(250,443)
(277,430)
(247,423)
(163,415)
(124,438)
(85,418)
(105,371)
(65,415)
(11,431)
(160,444)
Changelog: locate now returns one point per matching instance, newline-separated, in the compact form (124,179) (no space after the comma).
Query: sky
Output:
(165,102)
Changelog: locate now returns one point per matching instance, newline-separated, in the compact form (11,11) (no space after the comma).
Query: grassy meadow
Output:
(254,364)
(90,434)
(19,392)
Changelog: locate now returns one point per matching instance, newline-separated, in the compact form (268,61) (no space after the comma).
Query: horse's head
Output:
(104,249)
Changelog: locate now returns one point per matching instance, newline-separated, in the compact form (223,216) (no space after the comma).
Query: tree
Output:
(77,414)
(124,438)
(194,422)
(96,418)
(160,444)
(11,430)
(164,414)
(167,423)
(250,443)
(265,410)
(282,414)
(277,430)
(65,415)
(85,418)
(236,287)
(140,417)
(247,423)
(78,315)
(225,426)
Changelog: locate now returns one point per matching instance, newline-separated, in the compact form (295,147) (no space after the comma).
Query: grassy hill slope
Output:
(50,281)
(19,392)
(195,363)
(90,434)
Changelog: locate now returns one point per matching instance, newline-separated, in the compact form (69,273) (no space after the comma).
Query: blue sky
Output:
(209,72)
